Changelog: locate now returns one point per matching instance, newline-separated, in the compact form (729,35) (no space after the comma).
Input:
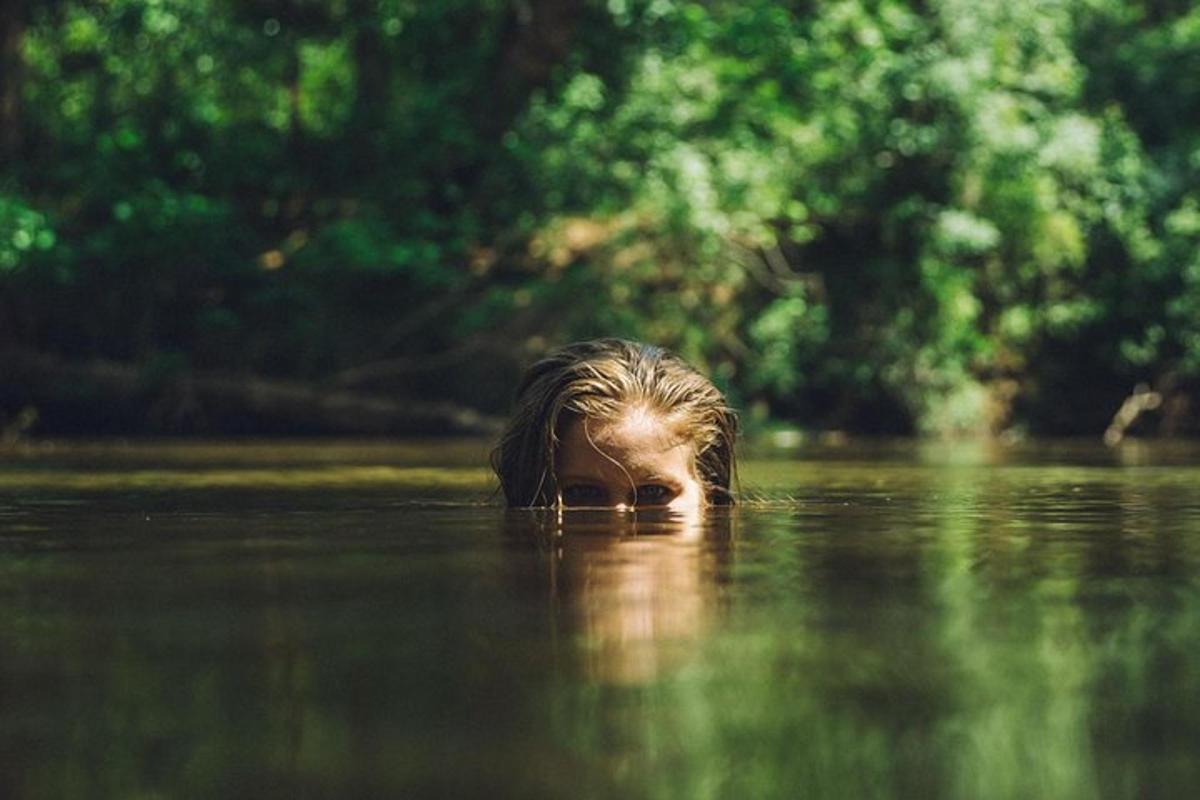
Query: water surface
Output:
(348,619)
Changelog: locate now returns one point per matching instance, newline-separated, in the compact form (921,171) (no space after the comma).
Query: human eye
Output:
(582,494)
(654,494)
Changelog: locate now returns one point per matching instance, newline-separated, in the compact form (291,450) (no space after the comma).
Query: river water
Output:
(345,619)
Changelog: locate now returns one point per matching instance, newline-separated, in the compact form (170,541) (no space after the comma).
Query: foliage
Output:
(884,216)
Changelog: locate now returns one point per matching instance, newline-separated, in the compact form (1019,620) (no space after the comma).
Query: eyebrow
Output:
(660,479)
(592,480)
(598,481)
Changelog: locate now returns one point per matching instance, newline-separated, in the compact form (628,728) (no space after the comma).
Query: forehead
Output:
(638,441)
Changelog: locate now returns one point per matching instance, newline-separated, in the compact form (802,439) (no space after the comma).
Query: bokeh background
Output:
(306,216)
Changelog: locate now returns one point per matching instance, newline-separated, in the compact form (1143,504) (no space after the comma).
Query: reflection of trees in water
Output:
(1064,609)
(1000,634)
(636,591)
(985,635)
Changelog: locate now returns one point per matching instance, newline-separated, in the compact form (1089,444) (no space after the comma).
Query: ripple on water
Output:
(988,624)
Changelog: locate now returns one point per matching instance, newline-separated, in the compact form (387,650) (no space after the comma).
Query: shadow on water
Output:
(954,624)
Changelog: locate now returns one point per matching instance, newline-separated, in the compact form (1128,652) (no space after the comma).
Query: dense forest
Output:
(877,216)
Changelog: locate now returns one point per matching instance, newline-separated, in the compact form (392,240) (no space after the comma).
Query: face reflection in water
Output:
(639,589)
(637,461)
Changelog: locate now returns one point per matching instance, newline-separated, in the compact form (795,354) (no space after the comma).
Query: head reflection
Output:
(635,591)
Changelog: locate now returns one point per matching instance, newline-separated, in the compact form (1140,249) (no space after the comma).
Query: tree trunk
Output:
(372,82)
(537,39)
(12,72)
(215,403)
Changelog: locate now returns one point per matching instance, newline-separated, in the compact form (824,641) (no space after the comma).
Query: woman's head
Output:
(616,423)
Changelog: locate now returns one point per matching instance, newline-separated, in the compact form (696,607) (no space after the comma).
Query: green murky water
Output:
(350,619)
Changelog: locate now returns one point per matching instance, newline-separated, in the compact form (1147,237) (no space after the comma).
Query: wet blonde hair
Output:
(601,380)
